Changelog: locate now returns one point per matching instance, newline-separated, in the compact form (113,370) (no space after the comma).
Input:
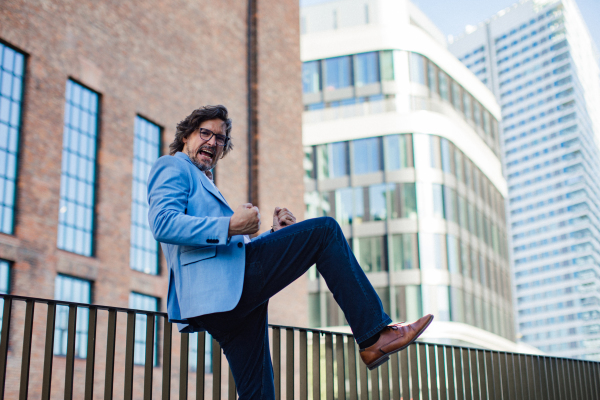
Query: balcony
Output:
(308,363)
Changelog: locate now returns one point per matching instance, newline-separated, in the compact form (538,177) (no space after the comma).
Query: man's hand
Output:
(282,217)
(245,220)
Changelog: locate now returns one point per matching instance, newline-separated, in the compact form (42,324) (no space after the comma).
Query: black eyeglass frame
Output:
(217,136)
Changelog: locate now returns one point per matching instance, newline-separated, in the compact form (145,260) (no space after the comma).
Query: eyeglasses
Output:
(220,140)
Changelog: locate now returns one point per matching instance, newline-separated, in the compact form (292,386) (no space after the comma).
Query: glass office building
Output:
(402,149)
(539,61)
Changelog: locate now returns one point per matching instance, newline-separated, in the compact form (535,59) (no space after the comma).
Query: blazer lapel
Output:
(206,183)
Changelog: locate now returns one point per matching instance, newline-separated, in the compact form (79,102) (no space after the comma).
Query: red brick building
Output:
(88,90)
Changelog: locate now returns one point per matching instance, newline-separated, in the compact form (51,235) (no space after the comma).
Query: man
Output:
(221,281)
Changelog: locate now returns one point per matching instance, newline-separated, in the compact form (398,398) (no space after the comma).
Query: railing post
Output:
(110,355)
(149,358)
(414,371)
(329,366)
(200,367)
(216,365)
(48,351)
(423,369)
(352,377)
(167,343)
(277,361)
(91,353)
(449,367)
(316,365)
(441,372)
(341,365)
(70,359)
(184,351)
(129,350)
(26,354)
(303,364)
(432,372)
(289,364)
(395,376)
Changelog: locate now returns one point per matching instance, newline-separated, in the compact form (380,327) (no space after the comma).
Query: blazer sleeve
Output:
(168,192)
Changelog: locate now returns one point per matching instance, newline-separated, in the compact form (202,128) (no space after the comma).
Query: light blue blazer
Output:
(190,218)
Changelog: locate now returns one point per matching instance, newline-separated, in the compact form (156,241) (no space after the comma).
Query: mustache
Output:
(207,147)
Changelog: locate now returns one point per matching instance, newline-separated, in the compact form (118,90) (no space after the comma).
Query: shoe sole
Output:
(384,358)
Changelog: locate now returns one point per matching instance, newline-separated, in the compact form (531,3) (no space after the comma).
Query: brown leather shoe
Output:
(392,339)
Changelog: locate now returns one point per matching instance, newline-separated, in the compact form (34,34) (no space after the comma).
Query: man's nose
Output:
(212,141)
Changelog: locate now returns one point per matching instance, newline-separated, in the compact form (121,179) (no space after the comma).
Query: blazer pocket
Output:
(202,253)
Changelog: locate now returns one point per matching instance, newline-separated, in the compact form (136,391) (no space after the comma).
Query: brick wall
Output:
(160,60)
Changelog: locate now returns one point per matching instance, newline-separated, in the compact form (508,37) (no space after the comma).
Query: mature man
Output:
(221,281)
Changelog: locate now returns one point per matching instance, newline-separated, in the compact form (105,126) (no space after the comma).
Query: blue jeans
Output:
(272,263)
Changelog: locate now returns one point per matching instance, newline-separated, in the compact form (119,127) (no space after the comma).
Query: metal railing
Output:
(308,364)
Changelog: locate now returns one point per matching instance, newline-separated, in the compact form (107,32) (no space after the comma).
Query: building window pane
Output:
(143,302)
(338,72)
(193,352)
(403,252)
(343,206)
(447,151)
(404,200)
(417,68)
(458,165)
(465,260)
(443,85)
(314,309)
(143,253)
(309,162)
(332,160)
(408,303)
(369,253)
(432,78)
(453,254)
(432,251)
(387,65)
(366,69)
(311,82)
(398,152)
(431,200)
(379,202)
(487,129)
(457,301)
(456,97)
(78,176)
(12,69)
(450,204)
(467,105)
(67,288)
(477,113)
(366,155)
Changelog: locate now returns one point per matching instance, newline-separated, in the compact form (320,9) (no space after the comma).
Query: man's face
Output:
(205,153)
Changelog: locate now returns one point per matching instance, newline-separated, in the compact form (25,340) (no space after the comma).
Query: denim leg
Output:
(247,351)
(285,255)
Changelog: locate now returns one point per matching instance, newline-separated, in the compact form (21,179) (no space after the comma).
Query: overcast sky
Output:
(452,16)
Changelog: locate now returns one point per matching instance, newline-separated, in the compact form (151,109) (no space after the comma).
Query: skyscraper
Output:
(401,147)
(538,59)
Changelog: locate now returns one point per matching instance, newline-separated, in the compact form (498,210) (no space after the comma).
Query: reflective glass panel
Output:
(417,68)
(387,65)
(379,198)
(12,70)
(432,78)
(338,73)
(456,97)
(367,155)
(409,303)
(366,68)
(143,253)
(443,85)
(453,254)
(311,82)
(78,175)
(403,252)
(369,253)
(398,152)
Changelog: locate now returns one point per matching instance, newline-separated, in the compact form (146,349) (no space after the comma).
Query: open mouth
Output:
(206,153)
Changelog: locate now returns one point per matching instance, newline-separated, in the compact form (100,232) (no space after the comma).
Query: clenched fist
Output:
(245,220)
(282,217)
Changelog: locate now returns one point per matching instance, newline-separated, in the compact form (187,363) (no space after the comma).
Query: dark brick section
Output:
(160,60)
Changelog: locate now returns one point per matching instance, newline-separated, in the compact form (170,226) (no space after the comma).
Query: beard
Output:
(201,166)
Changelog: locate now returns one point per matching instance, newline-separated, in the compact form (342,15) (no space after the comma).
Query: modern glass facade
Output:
(394,154)
(12,71)
(380,220)
(78,176)
(540,64)
(143,254)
